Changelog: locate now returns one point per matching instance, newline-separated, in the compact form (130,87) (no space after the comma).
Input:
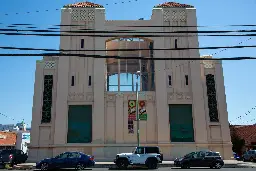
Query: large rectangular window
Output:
(47,99)
(79,124)
(181,123)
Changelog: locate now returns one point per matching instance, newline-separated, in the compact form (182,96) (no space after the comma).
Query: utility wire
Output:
(121,57)
(57,9)
(123,31)
(116,50)
(122,35)
(82,25)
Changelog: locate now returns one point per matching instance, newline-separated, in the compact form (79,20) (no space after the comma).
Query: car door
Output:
(73,159)
(61,160)
(196,160)
(137,157)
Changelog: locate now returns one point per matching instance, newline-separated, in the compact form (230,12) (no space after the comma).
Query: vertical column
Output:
(120,119)
(98,117)
(61,119)
(221,100)
(60,133)
(163,130)
(37,102)
(199,114)
(161,95)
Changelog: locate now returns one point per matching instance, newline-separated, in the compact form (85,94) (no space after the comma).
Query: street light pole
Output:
(137,108)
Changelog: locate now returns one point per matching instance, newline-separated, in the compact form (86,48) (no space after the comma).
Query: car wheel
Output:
(122,164)
(151,164)
(184,166)
(218,165)
(79,166)
(251,159)
(44,166)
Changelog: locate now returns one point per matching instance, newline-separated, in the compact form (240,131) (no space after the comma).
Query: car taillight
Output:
(10,156)
(91,158)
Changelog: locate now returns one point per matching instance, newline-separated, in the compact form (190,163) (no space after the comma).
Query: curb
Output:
(113,166)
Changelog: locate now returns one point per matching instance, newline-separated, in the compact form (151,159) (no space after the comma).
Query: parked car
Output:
(200,159)
(148,156)
(77,160)
(249,156)
(12,156)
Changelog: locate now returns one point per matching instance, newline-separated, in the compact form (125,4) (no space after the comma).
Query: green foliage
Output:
(237,142)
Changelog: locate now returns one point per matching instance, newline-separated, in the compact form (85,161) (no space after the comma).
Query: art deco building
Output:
(88,104)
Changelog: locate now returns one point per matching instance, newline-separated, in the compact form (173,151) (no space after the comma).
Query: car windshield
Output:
(134,150)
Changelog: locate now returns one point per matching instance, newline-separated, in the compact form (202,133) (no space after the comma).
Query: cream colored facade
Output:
(110,109)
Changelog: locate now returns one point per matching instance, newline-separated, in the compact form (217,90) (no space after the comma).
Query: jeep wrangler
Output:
(141,156)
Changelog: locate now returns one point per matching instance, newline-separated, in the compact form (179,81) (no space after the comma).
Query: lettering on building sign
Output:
(2,136)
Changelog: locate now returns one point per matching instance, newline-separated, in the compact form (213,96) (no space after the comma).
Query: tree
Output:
(238,143)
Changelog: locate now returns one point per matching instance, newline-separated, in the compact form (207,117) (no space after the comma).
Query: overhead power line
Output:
(100,50)
(121,35)
(123,31)
(119,57)
(57,9)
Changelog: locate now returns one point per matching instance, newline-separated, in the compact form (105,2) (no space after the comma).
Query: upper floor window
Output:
(176,43)
(72,80)
(186,79)
(82,43)
(169,80)
(90,81)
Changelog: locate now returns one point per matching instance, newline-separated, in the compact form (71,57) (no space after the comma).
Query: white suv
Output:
(148,156)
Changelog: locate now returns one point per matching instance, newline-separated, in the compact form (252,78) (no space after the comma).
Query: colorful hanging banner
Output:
(142,110)
(132,110)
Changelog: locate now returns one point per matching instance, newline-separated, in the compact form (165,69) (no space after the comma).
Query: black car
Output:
(200,159)
(12,157)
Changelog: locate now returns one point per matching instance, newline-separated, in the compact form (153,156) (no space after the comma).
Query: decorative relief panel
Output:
(80,97)
(76,96)
(111,98)
(49,64)
(179,96)
(89,97)
(183,16)
(75,15)
(166,15)
(174,15)
(83,15)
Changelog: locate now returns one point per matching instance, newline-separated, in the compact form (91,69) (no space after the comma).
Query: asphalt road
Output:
(174,169)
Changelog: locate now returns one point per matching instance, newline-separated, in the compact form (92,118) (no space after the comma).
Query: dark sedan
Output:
(200,159)
(75,160)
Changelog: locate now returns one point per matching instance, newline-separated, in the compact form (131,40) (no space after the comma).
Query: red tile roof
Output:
(248,133)
(173,5)
(84,5)
(7,138)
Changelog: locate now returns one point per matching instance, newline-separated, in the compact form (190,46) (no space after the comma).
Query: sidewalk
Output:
(228,164)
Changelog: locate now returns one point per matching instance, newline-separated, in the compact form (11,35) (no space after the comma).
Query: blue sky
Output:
(17,73)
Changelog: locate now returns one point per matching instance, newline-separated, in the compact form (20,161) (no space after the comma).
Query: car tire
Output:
(122,163)
(217,165)
(251,159)
(44,166)
(184,166)
(152,164)
(79,166)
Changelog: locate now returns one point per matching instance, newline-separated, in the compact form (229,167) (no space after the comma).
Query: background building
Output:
(87,104)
